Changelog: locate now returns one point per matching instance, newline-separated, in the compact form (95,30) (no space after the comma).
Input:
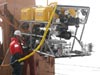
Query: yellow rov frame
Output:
(72,12)
(44,36)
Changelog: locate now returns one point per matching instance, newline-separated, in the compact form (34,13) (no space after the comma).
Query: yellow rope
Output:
(43,38)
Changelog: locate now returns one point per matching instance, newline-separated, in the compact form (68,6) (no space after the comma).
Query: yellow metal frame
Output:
(44,35)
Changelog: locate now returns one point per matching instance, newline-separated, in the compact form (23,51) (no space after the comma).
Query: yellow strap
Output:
(43,38)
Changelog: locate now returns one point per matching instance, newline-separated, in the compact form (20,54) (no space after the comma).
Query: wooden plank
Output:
(5,70)
(41,65)
(44,65)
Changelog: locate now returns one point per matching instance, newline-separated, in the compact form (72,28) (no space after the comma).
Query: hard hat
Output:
(17,32)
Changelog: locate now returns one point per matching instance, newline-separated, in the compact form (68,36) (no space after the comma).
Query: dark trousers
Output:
(17,68)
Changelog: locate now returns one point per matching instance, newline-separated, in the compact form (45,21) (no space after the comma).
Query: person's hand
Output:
(22,63)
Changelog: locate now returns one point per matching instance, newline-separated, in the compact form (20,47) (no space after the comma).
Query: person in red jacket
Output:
(16,52)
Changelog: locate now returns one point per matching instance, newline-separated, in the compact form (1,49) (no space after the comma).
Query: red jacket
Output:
(15,46)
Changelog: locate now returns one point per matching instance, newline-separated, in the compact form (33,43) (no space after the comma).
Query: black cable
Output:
(74,39)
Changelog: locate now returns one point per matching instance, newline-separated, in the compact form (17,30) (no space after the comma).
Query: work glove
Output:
(21,63)
(25,49)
